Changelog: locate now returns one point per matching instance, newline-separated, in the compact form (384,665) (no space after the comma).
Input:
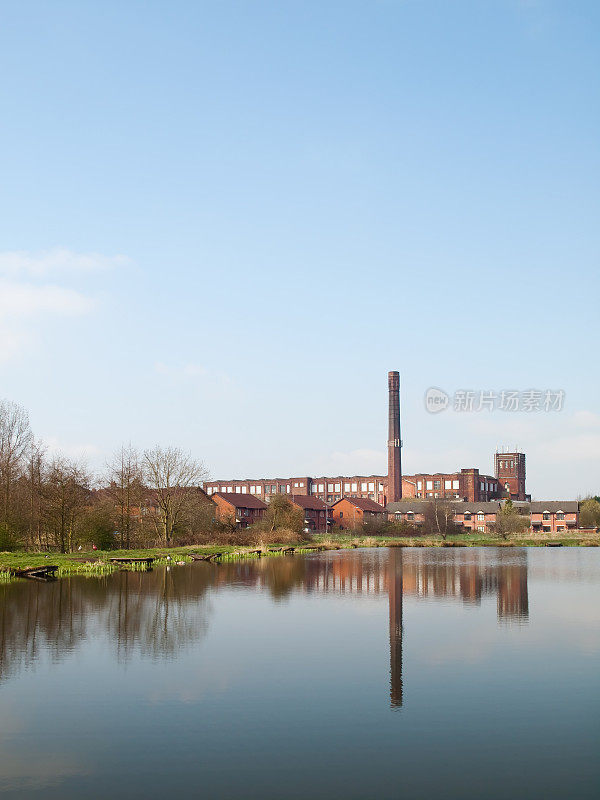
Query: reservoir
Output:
(371,673)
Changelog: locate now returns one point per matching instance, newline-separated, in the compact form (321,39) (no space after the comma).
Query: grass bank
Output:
(96,563)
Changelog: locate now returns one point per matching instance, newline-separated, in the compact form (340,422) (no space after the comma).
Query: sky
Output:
(223,223)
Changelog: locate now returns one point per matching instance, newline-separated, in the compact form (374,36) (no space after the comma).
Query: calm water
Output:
(463,673)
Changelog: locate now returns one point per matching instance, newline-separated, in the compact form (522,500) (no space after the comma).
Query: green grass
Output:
(99,560)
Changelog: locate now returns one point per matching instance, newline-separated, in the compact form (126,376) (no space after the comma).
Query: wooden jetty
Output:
(45,572)
(121,560)
(207,557)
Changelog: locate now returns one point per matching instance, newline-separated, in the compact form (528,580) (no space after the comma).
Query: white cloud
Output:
(24,299)
(15,263)
(26,296)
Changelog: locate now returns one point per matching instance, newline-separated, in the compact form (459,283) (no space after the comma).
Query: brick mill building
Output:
(466,484)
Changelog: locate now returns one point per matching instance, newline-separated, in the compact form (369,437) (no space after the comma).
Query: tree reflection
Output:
(156,614)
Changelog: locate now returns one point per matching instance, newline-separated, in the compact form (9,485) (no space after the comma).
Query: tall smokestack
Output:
(394,443)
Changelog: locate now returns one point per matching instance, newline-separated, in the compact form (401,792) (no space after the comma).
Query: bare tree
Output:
(35,474)
(174,478)
(510,519)
(439,517)
(66,495)
(125,488)
(15,436)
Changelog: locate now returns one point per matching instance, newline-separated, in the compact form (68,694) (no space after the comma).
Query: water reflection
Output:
(155,615)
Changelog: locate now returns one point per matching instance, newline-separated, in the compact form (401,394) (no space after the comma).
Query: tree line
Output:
(51,502)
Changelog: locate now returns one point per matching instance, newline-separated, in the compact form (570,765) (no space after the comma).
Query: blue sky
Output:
(222,223)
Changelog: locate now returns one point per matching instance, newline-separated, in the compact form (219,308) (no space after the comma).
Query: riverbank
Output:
(97,563)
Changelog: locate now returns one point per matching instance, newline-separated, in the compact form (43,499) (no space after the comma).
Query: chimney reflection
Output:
(394,583)
(157,614)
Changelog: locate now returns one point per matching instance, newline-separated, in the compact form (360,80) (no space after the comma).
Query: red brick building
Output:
(554,516)
(466,484)
(317,516)
(243,510)
(509,469)
(354,512)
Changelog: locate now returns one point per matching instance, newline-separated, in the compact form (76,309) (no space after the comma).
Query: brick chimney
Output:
(394,443)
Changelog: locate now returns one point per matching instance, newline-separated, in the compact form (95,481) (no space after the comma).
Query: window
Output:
(546,515)
(419,484)
(330,487)
(371,487)
(258,490)
(337,487)
(346,487)
(410,516)
(481,485)
(447,485)
(437,484)
(455,484)
(560,515)
(381,487)
(296,485)
(480,516)
(302,484)
(341,514)
(244,490)
(363,487)
(288,488)
(252,488)
(481,528)
(354,487)
(467,516)
(429,484)
(321,487)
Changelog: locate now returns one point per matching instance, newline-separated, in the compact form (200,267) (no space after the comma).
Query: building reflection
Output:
(156,615)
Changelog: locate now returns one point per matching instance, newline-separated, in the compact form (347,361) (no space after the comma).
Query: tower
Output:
(510,471)
(394,488)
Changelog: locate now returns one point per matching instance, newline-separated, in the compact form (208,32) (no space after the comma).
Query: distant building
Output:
(354,512)
(509,469)
(465,484)
(237,508)
(316,514)
(554,516)
(548,516)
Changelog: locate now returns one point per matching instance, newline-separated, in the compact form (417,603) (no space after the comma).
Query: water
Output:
(401,673)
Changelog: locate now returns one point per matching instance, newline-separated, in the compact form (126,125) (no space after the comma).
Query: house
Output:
(476,516)
(243,509)
(411,511)
(354,512)
(316,514)
(554,516)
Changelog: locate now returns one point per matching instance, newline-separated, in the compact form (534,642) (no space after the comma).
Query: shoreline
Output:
(97,563)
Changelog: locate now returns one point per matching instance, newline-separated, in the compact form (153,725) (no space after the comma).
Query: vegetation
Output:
(509,521)
(589,513)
